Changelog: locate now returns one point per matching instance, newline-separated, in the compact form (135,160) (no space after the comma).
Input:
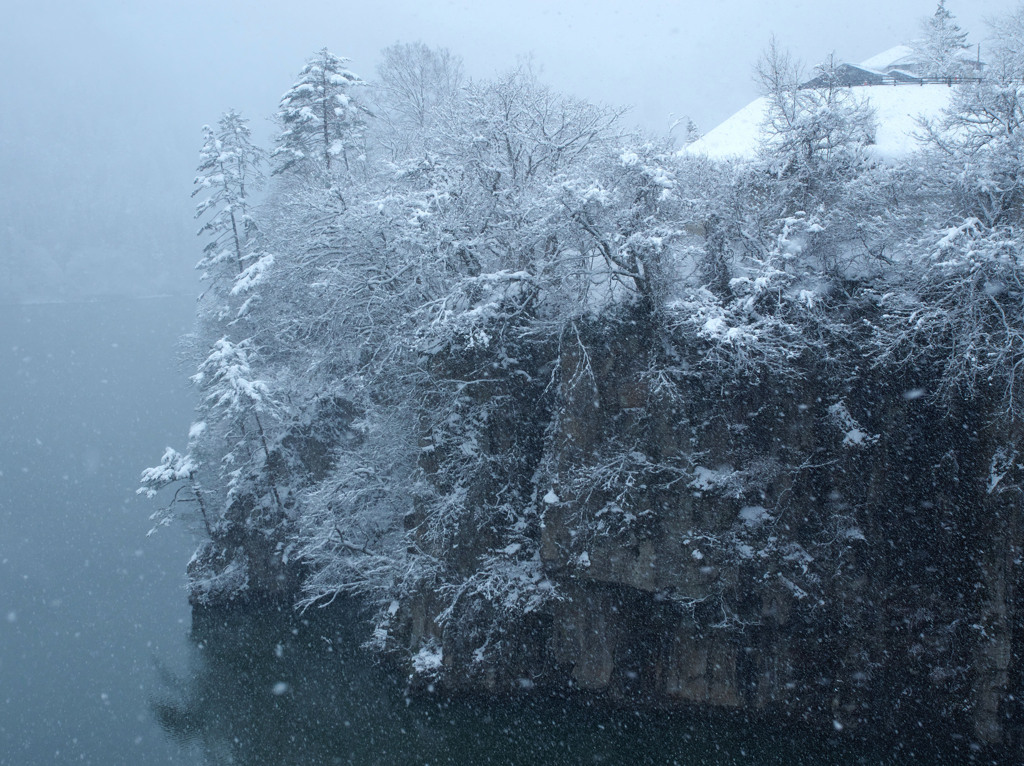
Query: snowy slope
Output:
(897,109)
(738,136)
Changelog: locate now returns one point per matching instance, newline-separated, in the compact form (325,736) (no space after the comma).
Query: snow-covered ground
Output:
(897,110)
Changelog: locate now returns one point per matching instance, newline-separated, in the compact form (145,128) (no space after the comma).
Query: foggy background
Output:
(102,101)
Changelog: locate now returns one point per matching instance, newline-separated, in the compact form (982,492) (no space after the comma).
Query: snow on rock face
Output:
(855,436)
(897,110)
(754,515)
(428,660)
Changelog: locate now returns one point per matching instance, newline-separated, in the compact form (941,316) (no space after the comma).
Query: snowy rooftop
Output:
(894,57)
(897,110)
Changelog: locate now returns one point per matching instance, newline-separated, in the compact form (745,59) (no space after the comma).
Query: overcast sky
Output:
(102,100)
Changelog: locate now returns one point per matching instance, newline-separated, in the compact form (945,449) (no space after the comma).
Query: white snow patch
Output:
(795,589)
(754,515)
(855,436)
(279,688)
(428,660)
(715,326)
(708,479)
(252,275)
(1002,462)
(551,498)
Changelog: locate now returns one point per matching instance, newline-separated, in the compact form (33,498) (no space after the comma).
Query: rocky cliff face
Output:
(834,548)
(823,542)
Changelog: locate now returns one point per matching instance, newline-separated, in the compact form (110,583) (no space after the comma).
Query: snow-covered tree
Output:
(321,117)
(417,79)
(229,172)
(959,302)
(233,395)
(627,219)
(940,48)
(449,283)
(814,137)
(415,87)
(782,252)
(1006,36)
(183,470)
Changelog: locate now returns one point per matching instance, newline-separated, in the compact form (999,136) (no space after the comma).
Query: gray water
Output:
(296,689)
(90,606)
(101,661)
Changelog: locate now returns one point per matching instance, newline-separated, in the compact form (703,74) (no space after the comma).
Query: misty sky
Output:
(102,100)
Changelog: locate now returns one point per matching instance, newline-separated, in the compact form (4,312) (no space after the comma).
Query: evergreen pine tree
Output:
(939,50)
(228,172)
(321,120)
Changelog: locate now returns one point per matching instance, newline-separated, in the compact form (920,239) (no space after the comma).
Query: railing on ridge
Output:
(889,79)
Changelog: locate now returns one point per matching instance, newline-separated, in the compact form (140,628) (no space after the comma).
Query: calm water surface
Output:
(100,662)
(89,606)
